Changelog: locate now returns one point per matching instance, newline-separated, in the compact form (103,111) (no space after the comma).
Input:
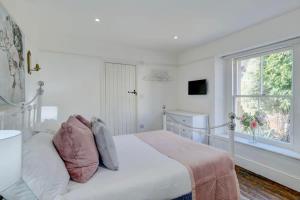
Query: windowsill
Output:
(268,147)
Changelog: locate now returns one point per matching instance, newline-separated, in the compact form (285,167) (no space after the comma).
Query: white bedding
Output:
(144,174)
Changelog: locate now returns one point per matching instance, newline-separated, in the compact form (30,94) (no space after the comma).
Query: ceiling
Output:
(151,24)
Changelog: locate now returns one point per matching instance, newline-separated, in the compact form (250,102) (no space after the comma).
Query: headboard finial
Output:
(41,83)
(40,89)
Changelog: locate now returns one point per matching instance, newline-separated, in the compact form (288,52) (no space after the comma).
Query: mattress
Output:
(144,174)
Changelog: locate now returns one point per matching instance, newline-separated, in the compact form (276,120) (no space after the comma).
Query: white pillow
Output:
(18,191)
(48,126)
(43,170)
(27,134)
(105,144)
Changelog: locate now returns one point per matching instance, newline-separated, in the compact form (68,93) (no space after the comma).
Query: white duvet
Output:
(144,174)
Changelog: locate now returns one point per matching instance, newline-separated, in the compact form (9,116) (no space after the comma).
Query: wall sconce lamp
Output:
(29,68)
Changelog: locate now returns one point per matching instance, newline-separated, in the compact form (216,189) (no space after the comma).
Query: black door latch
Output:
(132,92)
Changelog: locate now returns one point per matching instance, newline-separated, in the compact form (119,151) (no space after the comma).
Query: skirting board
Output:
(268,172)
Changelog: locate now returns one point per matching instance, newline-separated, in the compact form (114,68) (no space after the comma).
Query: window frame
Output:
(235,94)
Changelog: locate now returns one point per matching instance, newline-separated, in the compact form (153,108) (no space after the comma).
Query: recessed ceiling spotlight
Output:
(175,37)
(97,20)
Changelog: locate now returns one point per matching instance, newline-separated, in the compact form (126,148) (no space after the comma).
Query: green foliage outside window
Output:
(270,78)
(277,79)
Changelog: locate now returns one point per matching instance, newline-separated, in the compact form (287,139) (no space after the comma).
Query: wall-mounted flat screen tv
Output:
(198,87)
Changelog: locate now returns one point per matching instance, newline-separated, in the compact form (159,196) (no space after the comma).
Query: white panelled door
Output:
(120,98)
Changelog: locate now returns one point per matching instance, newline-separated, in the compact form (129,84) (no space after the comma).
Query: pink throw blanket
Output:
(212,171)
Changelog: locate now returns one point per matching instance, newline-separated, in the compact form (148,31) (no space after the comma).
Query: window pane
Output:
(277,116)
(248,76)
(245,105)
(277,73)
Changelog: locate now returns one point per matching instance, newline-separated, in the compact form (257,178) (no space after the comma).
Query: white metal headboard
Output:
(24,115)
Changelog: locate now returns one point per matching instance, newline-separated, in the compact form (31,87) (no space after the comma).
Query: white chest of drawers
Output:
(190,119)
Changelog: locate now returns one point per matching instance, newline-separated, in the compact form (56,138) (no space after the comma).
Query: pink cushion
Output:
(84,121)
(76,146)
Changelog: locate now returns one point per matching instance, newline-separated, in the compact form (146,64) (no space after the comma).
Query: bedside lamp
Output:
(10,158)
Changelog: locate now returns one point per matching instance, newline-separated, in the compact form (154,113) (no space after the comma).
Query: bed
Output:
(146,172)
(157,165)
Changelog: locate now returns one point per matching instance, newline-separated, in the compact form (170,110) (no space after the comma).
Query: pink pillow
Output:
(76,146)
(84,121)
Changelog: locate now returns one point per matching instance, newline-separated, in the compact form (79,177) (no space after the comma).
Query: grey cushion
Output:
(18,191)
(105,144)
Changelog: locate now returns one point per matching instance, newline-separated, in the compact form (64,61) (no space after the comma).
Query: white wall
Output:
(72,83)
(203,69)
(205,62)
(212,103)
(277,167)
(76,85)
(152,95)
(274,30)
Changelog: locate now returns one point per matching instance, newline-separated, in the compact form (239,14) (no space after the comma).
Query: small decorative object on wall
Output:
(12,73)
(36,68)
(251,123)
(158,75)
